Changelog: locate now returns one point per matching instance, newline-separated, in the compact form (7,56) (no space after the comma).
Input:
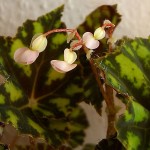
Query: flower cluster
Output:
(38,44)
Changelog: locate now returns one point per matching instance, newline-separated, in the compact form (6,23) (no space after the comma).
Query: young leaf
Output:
(133,127)
(128,69)
(37,100)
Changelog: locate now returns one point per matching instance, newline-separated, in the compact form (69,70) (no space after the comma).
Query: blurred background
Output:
(135,23)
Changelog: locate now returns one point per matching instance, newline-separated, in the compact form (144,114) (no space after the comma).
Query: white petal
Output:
(25,56)
(38,43)
(99,33)
(90,41)
(69,56)
(62,66)
(86,36)
(35,36)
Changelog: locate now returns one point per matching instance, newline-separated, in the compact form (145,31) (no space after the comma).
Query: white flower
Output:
(91,41)
(25,56)
(66,65)
(62,66)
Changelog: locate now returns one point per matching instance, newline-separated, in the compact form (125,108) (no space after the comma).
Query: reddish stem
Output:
(64,30)
(77,44)
(80,42)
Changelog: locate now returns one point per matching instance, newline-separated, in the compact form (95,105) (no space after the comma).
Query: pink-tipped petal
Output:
(62,66)
(25,56)
(92,44)
(90,41)
(86,36)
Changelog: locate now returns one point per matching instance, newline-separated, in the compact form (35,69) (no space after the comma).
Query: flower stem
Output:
(80,42)
(108,97)
(64,30)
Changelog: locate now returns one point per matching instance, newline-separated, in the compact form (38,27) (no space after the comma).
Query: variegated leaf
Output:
(128,69)
(134,127)
(37,100)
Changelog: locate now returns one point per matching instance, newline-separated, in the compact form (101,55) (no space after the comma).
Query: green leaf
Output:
(128,70)
(93,21)
(37,100)
(134,127)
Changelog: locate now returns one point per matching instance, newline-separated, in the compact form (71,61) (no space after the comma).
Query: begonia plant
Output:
(47,70)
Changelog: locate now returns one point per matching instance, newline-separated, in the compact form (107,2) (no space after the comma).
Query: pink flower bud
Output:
(89,40)
(25,56)
(62,66)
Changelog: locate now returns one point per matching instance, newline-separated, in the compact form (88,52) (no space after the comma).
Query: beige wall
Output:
(135,22)
(135,14)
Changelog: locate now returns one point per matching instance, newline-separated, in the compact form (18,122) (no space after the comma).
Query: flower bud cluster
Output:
(38,44)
